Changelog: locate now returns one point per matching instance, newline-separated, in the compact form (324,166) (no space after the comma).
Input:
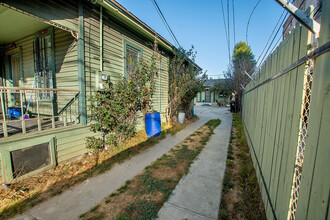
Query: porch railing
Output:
(25,110)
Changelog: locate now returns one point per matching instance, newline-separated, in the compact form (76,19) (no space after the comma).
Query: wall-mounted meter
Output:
(101,78)
(104,77)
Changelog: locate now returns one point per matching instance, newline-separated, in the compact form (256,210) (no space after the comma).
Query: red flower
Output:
(103,104)
(146,90)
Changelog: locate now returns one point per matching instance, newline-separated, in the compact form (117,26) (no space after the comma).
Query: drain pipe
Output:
(101,39)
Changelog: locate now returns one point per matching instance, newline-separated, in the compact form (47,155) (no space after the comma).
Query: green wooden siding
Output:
(65,60)
(114,38)
(164,85)
(66,71)
(60,12)
(92,51)
(0,170)
(113,60)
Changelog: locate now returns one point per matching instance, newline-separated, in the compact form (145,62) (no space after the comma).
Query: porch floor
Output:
(14,127)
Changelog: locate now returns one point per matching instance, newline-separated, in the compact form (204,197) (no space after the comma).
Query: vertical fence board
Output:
(271,115)
(313,202)
(288,126)
(286,193)
(281,132)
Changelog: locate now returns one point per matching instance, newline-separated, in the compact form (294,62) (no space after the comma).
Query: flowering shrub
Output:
(114,108)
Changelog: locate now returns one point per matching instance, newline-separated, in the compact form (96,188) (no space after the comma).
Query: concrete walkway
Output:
(83,197)
(197,196)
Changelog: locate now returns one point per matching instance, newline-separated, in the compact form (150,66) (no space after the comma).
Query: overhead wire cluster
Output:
(270,46)
(169,29)
(226,23)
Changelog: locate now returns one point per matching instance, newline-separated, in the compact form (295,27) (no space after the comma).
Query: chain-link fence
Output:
(302,137)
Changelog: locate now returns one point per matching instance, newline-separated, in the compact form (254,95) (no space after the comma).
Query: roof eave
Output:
(119,12)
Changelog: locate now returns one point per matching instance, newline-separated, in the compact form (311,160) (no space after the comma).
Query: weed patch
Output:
(230,149)
(229,163)
(241,197)
(230,157)
(151,184)
(143,210)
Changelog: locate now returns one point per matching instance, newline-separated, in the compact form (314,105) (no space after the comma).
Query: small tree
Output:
(222,87)
(242,61)
(184,85)
(190,89)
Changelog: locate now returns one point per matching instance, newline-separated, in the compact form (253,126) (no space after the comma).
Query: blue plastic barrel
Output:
(153,124)
(192,112)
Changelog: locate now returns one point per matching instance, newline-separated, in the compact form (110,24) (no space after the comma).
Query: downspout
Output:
(101,39)
(81,64)
(160,84)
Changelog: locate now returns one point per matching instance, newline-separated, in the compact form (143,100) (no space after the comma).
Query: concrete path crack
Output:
(186,209)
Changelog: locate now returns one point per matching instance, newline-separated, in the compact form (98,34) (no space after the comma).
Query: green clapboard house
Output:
(53,55)
(212,97)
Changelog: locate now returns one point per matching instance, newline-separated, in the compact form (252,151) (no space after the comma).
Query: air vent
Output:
(27,157)
(30,159)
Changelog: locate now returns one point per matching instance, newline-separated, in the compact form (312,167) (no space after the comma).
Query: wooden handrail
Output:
(39,89)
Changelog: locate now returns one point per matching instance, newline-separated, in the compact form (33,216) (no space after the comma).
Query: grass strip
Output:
(146,193)
(241,198)
(23,195)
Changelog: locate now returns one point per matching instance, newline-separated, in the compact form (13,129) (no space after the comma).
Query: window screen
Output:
(132,59)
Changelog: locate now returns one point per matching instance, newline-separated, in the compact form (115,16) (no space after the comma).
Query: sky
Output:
(201,24)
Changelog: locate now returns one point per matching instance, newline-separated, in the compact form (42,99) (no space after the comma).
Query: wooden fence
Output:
(286,115)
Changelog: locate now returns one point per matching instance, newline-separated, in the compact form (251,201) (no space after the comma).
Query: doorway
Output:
(207,95)
(14,76)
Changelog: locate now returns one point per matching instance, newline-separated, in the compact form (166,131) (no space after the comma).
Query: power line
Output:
(234,23)
(224,23)
(279,28)
(272,34)
(284,19)
(160,13)
(288,27)
(228,23)
(247,26)
(266,54)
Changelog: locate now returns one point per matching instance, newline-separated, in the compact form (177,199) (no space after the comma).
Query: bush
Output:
(114,108)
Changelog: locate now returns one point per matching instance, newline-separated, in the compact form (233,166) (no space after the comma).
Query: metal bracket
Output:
(249,76)
(308,22)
